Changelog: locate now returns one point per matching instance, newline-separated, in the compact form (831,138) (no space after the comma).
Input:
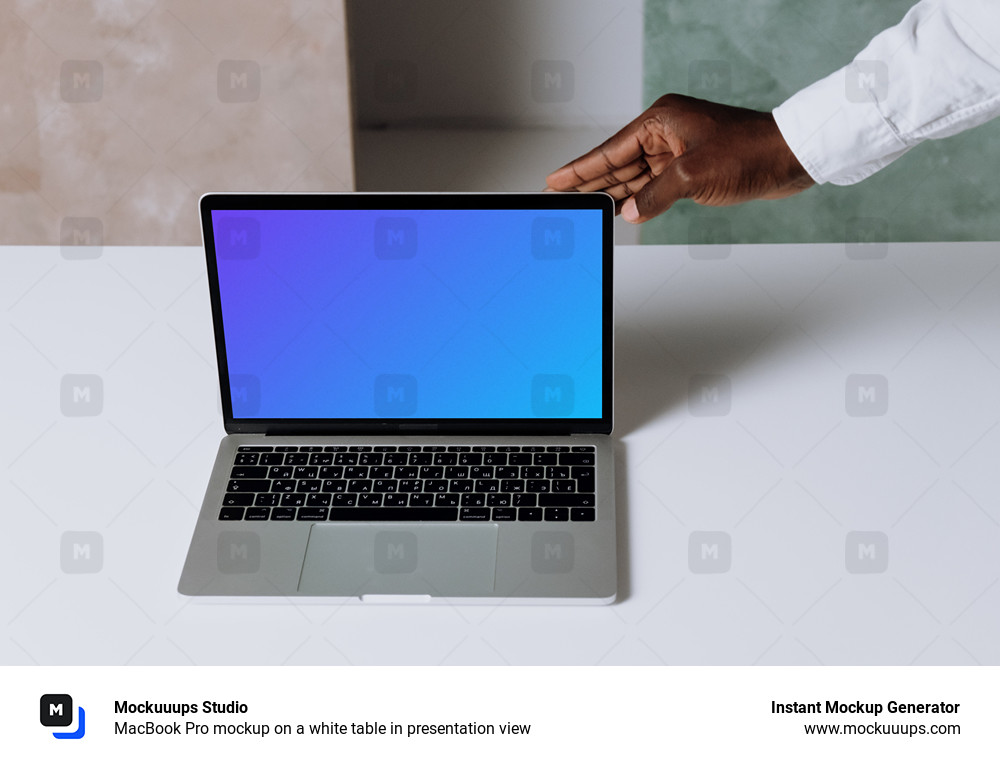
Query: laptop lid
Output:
(412,313)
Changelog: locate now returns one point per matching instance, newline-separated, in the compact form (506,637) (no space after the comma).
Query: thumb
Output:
(654,198)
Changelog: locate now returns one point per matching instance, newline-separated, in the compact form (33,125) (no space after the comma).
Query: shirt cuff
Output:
(834,128)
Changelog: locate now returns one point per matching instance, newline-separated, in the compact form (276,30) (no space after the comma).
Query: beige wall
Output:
(115,115)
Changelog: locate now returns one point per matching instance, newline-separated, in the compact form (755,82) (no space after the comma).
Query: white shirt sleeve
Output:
(933,75)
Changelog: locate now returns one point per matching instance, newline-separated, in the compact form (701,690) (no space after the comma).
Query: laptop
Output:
(417,396)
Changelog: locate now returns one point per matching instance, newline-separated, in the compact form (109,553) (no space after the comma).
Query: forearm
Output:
(933,75)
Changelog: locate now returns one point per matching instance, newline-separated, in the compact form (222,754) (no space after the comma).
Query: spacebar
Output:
(393,514)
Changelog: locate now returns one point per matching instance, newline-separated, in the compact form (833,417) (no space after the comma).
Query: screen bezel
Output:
(413,201)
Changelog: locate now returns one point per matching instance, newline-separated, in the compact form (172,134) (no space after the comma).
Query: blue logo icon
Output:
(56,710)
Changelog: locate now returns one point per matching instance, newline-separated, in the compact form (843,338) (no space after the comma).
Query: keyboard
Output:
(529,483)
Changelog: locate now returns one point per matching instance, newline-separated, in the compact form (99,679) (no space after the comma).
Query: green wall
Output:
(756,53)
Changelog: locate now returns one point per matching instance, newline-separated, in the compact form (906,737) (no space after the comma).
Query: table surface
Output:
(806,438)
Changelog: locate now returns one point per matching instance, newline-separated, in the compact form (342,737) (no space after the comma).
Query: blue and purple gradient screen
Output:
(422,314)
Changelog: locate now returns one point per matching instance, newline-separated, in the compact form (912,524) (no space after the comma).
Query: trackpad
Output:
(437,559)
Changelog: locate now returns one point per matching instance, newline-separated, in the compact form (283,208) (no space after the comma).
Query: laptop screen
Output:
(419,313)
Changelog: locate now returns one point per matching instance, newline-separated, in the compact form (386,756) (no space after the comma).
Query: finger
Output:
(628,188)
(619,151)
(615,177)
(654,198)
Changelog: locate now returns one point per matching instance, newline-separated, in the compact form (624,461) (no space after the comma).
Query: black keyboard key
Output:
(461,485)
(498,500)
(529,514)
(445,458)
(584,448)
(395,500)
(359,485)
(311,448)
(345,458)
(484,448)
(393,514)
(474,514)
(356,472)
(533,472)
(344,500)
(421,458)
(487,485)
(473,500)
(335,448)
(521,458)
(280,472)
(360,448)
(384,485)
(273,458)
(525,500)
(334,485)
(410,485)
(421,500)
(286,448)
(406,472)
(231,514)
(470,458)
(249,448)
(321,458)
(459,448)
(284,485)
(290,499)
(557,514)
(546,458)
(248,485)
(584,478)
(495,458)
(232,499)
(431,472)
(582,514)
(504,514)
(456,472)
(248,472)
(283,514)
(446,500)
(257,513)
(247,458)
(538,485)
(305,471)
(557,472)
(331,472)
(380,472)
(433,448)
(547,500)
(396,458)
(307,485)
(312,514)
(436,485)
(267,498)
(371,458)
(577,458)
(507,472)
(369,500)
(318,499)
(384,448)
(481,472)
(557,448)
(296,458)
(564,485)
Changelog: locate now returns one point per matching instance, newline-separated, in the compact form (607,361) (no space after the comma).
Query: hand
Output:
(686,148)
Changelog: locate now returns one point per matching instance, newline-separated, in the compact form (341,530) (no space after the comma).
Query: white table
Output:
(774,508)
